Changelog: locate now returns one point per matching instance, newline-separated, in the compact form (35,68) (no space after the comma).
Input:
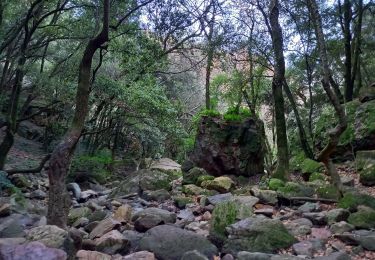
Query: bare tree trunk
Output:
(335,133)
(59,199)
(282,170)
(357,48)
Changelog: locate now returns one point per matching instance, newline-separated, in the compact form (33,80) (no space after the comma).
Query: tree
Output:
(58,198)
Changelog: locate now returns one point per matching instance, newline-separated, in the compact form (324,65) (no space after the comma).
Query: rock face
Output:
(171,243)
(229,147)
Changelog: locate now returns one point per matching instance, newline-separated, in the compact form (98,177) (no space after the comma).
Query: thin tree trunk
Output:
(210,57)
(357,48)
(282,170)
(58,198)
(335,133)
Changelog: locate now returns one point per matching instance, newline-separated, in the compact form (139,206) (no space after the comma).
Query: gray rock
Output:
(103,227)
(77,213)
(318,218)
(133,237)
(75,189)
(335,256)
(169,243)
(265,196)
(186,214)
(299,227)
(5,210)
(365,238)
(33,250)
(112,242)
(193,255)
(303,248)
(14,225)
(38,194)
(309,207)
(341,227)
(141,255)
(215,199)
(157,195)
(166,216)
(243,255)
(337,215)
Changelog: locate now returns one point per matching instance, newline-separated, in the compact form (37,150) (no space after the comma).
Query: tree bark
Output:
(326,74)
(59,199)
(282,170)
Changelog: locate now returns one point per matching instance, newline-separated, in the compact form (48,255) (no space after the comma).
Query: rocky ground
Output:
(167,212)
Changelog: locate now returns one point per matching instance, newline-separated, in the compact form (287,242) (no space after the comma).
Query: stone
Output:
(32,250)
(229,147)
(191,176)
(221,184)
(303,248)
(365,238)
(12,241)
(97,215)
(200,228)
(347,181)
(103,227)
(268,212)
(245,205)
(14,225)
(292,189)
(38,194)
(337,215)
(204,178)
(112,242)
(157,195)
(151,217)
(168,217)
(186,214)
(5,210)
(81,222)
(317,218)
(187,165)
(141,255)
(265,196)
(192,189)
(364,218)
(182,201)
(77,213)
(193,255)
(215,199)
(75,189)
(321,233)
(133,237)
(299,227)
(52,236)
(170,242)
(335,256)
(92,255)
(167,165)
(366,93)
(257,234)
(243,255)
(123,213)
(86,195)
(365,162)
(309,207)
(341,227)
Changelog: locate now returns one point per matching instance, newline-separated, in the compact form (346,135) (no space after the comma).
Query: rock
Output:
(335,256)
(318,218)
(93,206)
(13,241)
(364,218)
(341,227)
(38,194)
(182,201)
(229,147)
(257,234)
(187,165)
(245,205)
(87,194)
(221,184)
(157,195)
(337,215)
(292,189)
(168,217)
(365,238)
(123,213)
(303,248)
(75,189)
(81,222)
(133,237)
(52,236)
(112,242)
(243,255)
(365,161)
(321,233)
(103,227)
(215,199)
(30,131)
(5,210)
(193,255)
(97,215)
(77,213)
(168,166)
(309,207)
(227,257)
(186,215)
(347,181)
(14,225)
(141,255)
(20,181)
(192,189)
(92,255)
(200,228)
(299,227)
(32,250)
(275,184)
(265,196)
(191,176)
(169,242)
(204,178)
(151,217)
(268,212)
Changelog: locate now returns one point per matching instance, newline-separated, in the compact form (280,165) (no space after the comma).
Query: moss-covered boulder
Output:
(233,147)
(257,234)
(191,189)
(223,215)
(167,166)
(328,192)
(275,184)
(365,162)
(292,189)
(182,201)
(204,178)
(317,176)
(191,176)
(311,166)
(364,218)
(221,184)
(351,201)
(77,213)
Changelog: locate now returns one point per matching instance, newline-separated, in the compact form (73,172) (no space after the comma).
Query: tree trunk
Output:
(348,50)
(335,133)
(357,48)
(59,199)
(282,170)
(210,57)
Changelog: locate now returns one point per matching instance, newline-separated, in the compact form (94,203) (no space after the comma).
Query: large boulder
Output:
(257,234)
(32,250)
(168,242)
(229,147)
(151,217)
(365,162)
(168,166)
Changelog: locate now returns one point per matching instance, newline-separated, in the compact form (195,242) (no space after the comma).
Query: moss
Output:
(297,160)
(328,192)
(311,166)
(181,202)
(275,184)
(203,178)
(352,200)
(237,115)
(367,175)
(292,189)
(363,219)
(316,176)
(223,215)
(192,189)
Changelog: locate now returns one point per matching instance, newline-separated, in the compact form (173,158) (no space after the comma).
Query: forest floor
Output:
(194,217)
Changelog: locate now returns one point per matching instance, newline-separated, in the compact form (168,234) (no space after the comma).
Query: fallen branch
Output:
(314,199)
(32,170)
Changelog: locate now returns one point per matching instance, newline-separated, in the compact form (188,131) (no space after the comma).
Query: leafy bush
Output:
(237,114)
(352,200)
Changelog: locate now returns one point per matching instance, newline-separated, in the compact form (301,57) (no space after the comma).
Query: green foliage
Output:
(311,166)
(363,219)
(297,160)
(237,114)
(292,189)
(328,192)
(316,176)
(94,167)
(275,184)
(204,178)
(352,200)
